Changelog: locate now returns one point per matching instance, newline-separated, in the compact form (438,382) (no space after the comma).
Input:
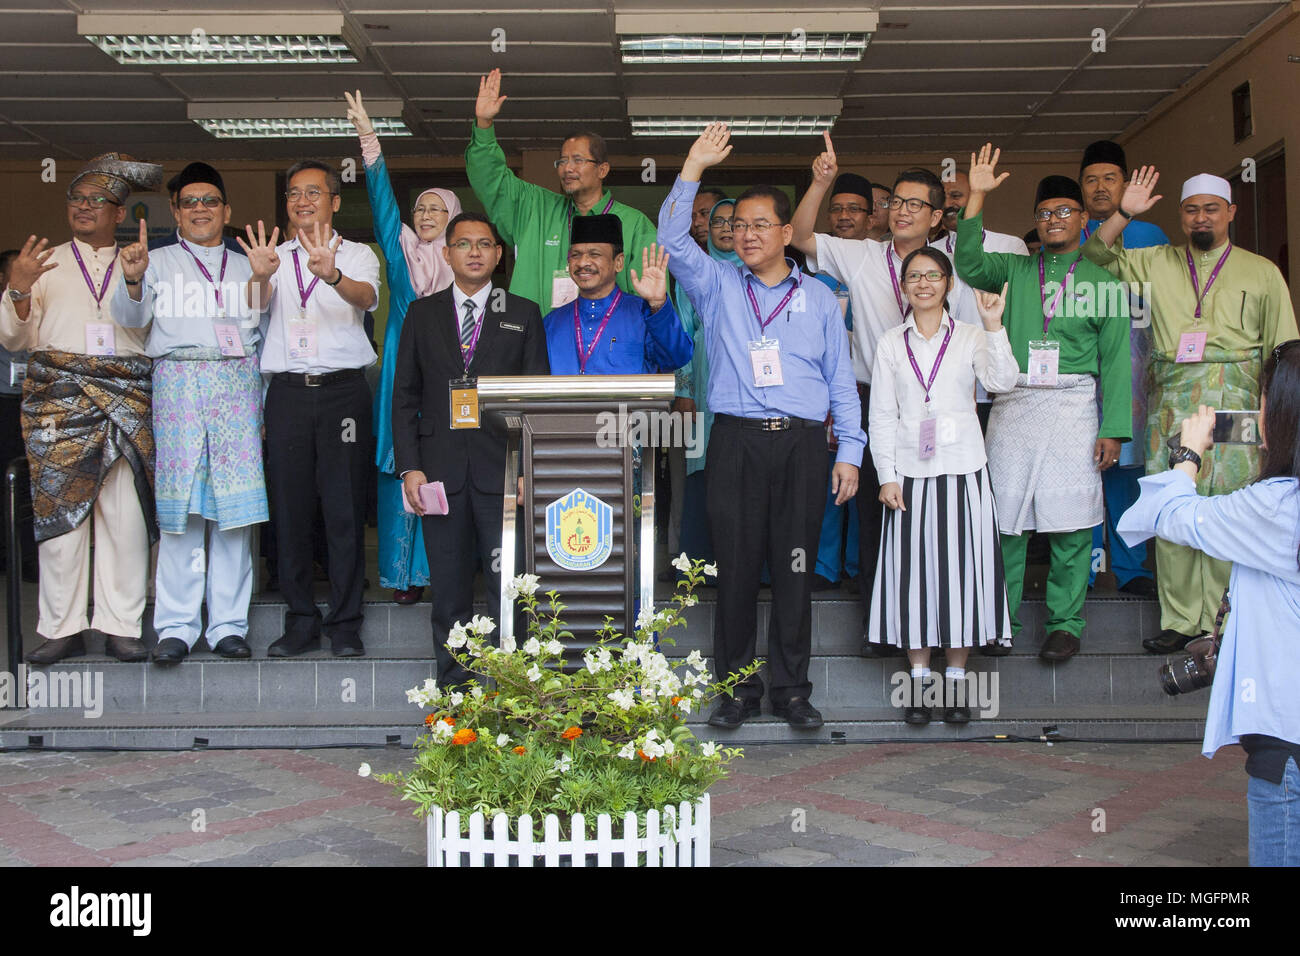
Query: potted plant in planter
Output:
(601,749)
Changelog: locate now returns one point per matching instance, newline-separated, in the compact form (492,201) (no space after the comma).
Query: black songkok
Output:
(1058,187)
(604,228)
(196,173)
(1104,151)
(852,184)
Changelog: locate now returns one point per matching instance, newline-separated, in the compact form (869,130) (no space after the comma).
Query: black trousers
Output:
(470,530)
(11,447)
(870,513)
(318,444)
(766,495)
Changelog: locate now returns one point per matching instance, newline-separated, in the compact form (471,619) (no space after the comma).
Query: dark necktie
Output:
(467,326)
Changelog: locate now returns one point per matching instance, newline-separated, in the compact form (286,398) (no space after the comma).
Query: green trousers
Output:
(1067,579)
(1190,584)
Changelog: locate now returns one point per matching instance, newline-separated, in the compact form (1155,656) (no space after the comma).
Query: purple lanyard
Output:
(948,240)
(893,277)
(467,352)
(108,275)
(938,360)
(1191,270)
(1050,313)
(1085,232)
(303,296)
(753,302)
(216,286)
(568,222)
(584,353)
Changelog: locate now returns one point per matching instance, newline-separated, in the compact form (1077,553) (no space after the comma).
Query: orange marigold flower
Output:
(520,749)
(675,701)
(464,736)
(449,721)
(642,754)
(428,721)
(573,733)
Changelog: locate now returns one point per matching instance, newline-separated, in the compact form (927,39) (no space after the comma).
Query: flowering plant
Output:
(533,738)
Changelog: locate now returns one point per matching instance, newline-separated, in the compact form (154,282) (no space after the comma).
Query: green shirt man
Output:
(538,221)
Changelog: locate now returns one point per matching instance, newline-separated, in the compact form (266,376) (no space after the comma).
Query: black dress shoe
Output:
(995,649)
(798,713)
(1167,642)
(733,712)
(408,596)
(871,650)
(291,645)
(233,647)
(1059,646)
(916,716)
(128,650)
(347,645)
(852,585)
(1140,587)
(170,650)
(53,651)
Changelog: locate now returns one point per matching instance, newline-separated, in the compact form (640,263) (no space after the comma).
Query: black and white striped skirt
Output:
(939,579)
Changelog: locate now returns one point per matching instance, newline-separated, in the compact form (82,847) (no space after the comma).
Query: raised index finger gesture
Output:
(135,257)
(825,166)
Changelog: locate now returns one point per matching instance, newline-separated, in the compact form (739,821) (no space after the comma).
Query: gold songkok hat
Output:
(119,173)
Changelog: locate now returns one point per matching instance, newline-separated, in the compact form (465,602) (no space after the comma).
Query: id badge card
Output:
(100,339)
(765,357)
(563,289)
(302,338)
(464,403)
(1044,363)
(1191,346)
(926,445)
(228,339)
(17,372)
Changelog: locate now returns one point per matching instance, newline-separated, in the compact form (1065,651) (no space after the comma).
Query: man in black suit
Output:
(449,339)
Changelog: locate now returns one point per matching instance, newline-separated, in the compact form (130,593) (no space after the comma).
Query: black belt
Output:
(313,380)
(768,424)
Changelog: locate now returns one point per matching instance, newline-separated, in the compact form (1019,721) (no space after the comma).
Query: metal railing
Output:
(18,509)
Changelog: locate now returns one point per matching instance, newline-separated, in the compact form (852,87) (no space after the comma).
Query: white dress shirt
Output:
(898,400)
(341,341)
(863,266)
(479,298)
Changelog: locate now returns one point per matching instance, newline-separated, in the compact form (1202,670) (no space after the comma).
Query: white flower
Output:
(697,693)
(682,563)
(690,600)
(668,747)
(623,698)
(532,647)
(651,747)
(441,731)
(476,691)
(709,748)
(645,618)
(711,570)
(456,698)
(628,752)
(474,646)
(457,636)
(503,739)
(534,673)
(599,662)
(363,770)
(481,625)
(526,583)
(507,645)
(695,659)
(563,764)
(554,647)
(431,686)
(510,590)
(415,696)
(684,705)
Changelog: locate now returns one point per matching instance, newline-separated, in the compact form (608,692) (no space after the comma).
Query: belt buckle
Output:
(312,379)
(776,424)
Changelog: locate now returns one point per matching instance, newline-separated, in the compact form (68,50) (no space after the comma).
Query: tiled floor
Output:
(946,804)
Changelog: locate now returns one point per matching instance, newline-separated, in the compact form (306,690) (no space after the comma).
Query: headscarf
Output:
(117,174)
(430,271)
(714,252)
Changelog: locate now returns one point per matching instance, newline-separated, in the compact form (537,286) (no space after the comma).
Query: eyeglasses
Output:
(576,161)
(1063,213)
(759,229)
(719,222)
(423,209)
(852,209)
(482,245)
(311,194)
(934,275)
(913,205)
(193,202)
(80,200)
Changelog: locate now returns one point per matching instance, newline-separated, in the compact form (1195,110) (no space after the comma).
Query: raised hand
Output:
(990,306)
(262,257)
(320,252)
(489,101)
(652,283)
(29,265)
(1137,197)
(135,257)
(984,176)
(357,114)
(825,167)
(710,149)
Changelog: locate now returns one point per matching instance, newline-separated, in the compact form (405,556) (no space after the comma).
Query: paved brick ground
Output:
(880,805)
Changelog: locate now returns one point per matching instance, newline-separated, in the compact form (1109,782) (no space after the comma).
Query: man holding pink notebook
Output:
(451,462)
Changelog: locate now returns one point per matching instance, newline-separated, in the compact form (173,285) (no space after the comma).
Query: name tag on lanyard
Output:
(1191,346)
(464,403)
(228,339)
(101,338)
(765,358)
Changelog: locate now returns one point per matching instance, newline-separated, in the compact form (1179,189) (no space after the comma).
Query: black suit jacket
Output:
(512,342)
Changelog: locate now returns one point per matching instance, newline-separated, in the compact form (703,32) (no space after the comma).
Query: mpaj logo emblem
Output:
(579,531)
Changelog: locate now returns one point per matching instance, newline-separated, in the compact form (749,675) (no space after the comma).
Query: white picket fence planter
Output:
(683,840)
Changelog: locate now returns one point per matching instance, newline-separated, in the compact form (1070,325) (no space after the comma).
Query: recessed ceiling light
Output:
(183,40)
(816,36)
(293,119)
(745,116)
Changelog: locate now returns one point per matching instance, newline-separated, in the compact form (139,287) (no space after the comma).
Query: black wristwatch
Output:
(336,281)
(1183,453)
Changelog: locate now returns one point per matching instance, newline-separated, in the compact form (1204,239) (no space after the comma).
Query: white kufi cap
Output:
(1206,184)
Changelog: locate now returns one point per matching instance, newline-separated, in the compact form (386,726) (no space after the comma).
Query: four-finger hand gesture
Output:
(710,148)
(652,283)
(29,265)
(357,115)
(489,101)
(135,257)
(990,306)
(320,252)
(825,167)
(262,257)
(984,177)
(1137,197)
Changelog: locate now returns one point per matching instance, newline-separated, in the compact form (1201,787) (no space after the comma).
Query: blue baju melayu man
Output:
(607,331)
